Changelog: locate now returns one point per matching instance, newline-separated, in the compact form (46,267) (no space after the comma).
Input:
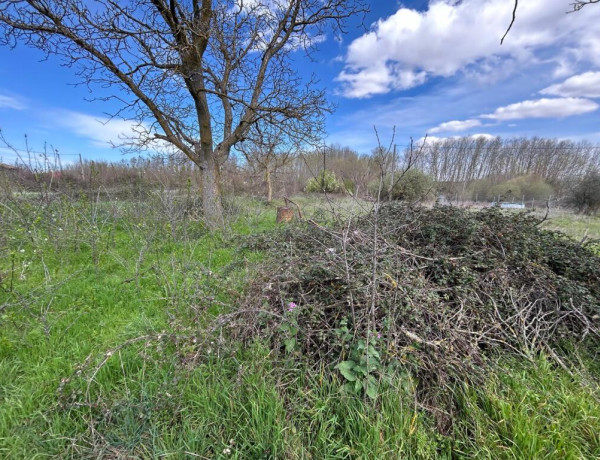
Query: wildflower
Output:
(227,451)
(291,306)
(379,335)
(21,250)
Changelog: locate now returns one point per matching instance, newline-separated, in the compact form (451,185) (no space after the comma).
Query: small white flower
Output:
(21,250)
(60,229)
(227,451)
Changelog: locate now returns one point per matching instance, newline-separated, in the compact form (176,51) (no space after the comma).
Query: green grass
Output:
(80,279)
(577,226)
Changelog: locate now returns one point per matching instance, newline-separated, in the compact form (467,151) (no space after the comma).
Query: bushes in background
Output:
(585,196)
(324,182)
(414,185)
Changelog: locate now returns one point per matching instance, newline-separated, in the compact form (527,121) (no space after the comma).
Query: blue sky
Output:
(433,68)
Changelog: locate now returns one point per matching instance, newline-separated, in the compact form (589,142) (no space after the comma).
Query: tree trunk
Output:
(211,188)
(269,183)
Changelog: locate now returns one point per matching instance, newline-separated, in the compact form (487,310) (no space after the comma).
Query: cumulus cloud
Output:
(544,108)
(10,102)
(455,125)
(451,36)
(584,85)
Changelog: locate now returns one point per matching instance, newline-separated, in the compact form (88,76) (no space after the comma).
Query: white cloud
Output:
(483,136)
(10,102)
(452,36)
(455,125)
(100,131)
(435,140)
(584,85)
(544,108)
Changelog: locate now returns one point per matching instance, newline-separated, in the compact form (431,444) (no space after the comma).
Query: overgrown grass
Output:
(577,226)
(82,277)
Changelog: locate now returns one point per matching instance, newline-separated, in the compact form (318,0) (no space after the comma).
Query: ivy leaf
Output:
(346,368)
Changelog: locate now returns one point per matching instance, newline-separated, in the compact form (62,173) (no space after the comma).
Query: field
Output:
(110,348)
(577,226)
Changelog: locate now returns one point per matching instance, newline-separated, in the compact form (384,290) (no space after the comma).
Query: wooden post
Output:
(284,214)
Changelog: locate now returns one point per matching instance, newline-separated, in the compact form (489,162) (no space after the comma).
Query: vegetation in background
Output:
(324,182)
(523,187)
(413,186)
(462,170)
(585,196)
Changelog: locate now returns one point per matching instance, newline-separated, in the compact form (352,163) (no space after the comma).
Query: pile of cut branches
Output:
(435,292)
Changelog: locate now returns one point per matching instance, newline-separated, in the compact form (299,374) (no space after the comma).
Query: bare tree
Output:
(195,74)
(267,149)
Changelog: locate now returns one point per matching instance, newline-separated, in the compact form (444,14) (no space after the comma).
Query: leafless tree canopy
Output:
(196,74)
(267,149)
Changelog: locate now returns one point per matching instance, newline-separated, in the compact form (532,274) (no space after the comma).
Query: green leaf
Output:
(362,369)
(290,344)
(371,389)
(346,368)
(373,352)
(358,386)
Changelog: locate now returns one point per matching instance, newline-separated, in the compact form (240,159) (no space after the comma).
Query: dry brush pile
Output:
(434,293)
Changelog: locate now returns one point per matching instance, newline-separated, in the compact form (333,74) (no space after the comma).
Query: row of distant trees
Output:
(460,169)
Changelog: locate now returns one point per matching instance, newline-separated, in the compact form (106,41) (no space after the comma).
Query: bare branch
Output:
(579,4)
(514,16)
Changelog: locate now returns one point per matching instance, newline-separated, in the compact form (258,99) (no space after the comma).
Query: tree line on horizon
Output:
(459,169)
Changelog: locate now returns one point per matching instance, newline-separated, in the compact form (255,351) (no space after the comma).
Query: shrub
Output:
(530,187)
(535,188)
(505,191)
(325,182)
(349,186)
(585,196)
(415,185)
